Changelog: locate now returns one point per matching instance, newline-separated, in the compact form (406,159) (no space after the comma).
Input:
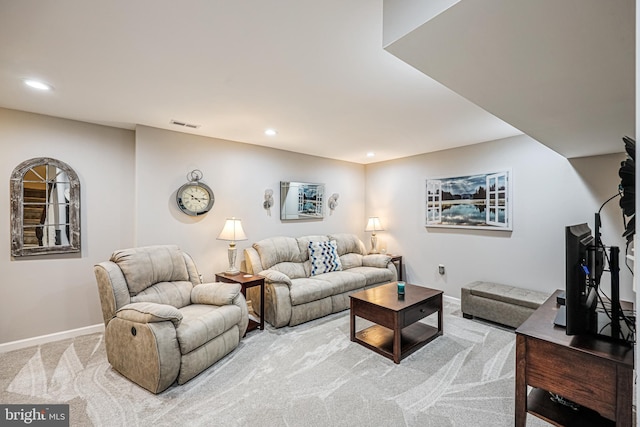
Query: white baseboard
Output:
(453,300)
(43,339)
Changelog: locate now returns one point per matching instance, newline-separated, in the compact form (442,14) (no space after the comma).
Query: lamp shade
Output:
(232,230)
(374,224)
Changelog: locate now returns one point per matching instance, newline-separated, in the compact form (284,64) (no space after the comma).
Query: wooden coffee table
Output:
(397,332)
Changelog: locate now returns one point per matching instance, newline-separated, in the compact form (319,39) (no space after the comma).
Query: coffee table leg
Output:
(262,306)
(397,341)
(353,324)
(440,316)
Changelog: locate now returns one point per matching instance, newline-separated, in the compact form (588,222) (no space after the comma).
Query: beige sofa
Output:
(161,323)
(303,283)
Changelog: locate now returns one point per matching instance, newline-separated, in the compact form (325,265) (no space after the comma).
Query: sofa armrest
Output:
(277,298)
(273,276)
(149,312)
(218,293)
(376,260)
(252,262)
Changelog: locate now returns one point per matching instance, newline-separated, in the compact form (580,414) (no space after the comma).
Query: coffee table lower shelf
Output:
(380,339)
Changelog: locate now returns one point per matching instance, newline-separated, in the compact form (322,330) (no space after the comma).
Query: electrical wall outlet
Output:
(441,268)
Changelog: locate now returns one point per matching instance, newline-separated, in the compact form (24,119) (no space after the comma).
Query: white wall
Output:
(549,192)
(129,180)
(128,185)
(40,295)
(238,174)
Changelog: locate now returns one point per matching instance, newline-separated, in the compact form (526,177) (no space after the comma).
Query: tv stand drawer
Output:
(581,378)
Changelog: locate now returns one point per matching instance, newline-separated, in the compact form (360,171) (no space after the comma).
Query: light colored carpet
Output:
(308,375)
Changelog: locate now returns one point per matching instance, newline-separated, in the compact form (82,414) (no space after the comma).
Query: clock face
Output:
(195,198)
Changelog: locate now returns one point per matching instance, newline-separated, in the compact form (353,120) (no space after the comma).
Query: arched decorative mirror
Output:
(45,208)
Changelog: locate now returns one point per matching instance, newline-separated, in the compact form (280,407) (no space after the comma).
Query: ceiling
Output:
(563,72)
(315,71)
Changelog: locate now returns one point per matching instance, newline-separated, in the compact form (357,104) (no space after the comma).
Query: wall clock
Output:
(195,197)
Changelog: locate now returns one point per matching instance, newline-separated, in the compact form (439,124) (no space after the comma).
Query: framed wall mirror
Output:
(301,201)
(45,208)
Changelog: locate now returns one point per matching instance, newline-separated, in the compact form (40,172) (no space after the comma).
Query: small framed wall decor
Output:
(301,201)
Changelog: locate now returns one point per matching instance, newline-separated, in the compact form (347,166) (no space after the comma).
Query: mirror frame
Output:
(285,186)
(17,209)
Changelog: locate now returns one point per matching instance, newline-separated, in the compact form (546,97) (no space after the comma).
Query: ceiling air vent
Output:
(185,125)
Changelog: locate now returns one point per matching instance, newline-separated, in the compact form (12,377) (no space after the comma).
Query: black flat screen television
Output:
(584,311)
(582,275)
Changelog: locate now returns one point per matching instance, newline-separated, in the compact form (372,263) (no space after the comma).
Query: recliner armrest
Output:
(217,293)
(149,312)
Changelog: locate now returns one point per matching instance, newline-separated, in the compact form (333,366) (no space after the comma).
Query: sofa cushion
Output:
(350,260)
(146,266)
(202,323)
(305,290)
(348,243)
(324,257)
(293,270)
(374,275)
(343,281)
(177,294)
(276,250)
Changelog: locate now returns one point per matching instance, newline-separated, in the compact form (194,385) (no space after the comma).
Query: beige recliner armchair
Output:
(161,323)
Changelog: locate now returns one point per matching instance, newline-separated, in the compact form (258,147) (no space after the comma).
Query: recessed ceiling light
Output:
(371,154)
(270,132)
(36,84)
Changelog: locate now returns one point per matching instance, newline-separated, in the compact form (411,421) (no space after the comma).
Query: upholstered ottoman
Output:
(498,303)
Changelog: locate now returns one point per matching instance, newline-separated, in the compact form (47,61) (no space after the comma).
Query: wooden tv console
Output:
(595,373)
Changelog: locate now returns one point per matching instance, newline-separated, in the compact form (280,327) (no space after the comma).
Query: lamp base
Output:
(374,244)
(232,270)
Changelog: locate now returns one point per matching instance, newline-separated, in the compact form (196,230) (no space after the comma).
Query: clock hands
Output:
(199,199)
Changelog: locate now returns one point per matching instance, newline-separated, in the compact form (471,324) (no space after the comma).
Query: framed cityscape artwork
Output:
(481,201)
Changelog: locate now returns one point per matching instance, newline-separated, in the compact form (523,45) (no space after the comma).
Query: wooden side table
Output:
(397,260)
(247,281)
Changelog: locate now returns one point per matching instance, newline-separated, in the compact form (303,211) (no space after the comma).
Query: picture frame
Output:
(301,201)
(482,201)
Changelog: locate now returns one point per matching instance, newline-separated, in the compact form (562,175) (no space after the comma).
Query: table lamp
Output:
(232,232)
(374,225)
